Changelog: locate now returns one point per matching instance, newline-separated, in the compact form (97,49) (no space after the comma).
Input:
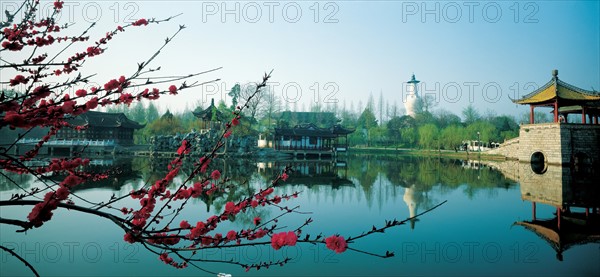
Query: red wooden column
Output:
(558,217)
(531,118)
(555,111)
(583,114)
(587,213)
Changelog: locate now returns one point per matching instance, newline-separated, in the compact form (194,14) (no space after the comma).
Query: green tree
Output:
(379,135)
(452,136)
(348,117)
(137,113)
(409,137)
(168,124)
(487,131)
(470,114)
(394,126)
(367,120)
(424,117)
(402,130)
(151,113)
(234,93)
(429,136)
(445,118)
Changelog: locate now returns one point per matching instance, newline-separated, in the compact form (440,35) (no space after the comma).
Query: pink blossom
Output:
(140,22)
(336,243)
(173,90)
(19,79)
(58,5)
(283,239)
(231,235)
(129,238)
(62,193)
(81,92)
(112,84)
(229,207)
(184,224)
(215,175)
(92,104)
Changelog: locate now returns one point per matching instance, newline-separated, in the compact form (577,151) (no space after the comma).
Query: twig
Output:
(20,259)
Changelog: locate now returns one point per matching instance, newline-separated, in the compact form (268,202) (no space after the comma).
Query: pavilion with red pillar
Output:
(565,99)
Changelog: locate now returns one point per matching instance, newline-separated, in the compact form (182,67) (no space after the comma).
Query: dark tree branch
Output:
(20,259)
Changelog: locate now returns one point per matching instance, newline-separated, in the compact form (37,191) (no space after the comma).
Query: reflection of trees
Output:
(365,170)
(120,172)
(23,180)
(450,174)
(381,178)
(243,181)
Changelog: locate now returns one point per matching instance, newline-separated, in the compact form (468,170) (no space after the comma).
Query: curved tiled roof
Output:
(210,113)
(557,89)
(311,129)
(107,120)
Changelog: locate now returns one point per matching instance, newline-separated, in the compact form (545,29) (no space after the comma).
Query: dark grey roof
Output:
(210,114)
(107,120)
(313,131)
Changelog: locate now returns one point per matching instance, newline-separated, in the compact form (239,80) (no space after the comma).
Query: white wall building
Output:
(412,96)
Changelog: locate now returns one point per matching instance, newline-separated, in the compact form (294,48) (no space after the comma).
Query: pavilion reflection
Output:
(575,193)
(309,173)
(120,172)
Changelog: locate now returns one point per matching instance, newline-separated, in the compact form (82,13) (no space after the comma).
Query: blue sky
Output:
(488,53)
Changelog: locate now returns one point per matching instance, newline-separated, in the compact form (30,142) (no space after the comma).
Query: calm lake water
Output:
(486,227)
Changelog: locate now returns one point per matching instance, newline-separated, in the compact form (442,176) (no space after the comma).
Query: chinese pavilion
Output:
(557,142)
(565,99)
(307,139)
(210,118)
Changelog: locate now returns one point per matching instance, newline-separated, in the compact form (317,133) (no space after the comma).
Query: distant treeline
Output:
(376,124)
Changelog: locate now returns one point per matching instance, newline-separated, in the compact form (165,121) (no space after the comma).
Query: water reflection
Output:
(485,200)
(309,173)
(573,193)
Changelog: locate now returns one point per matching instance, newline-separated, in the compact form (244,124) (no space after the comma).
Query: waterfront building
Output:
(100,126)
(210,118)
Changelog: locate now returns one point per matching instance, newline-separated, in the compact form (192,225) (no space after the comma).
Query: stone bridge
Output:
(554,143)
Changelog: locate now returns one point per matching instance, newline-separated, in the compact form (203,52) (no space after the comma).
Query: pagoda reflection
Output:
(309,173)
(575,195)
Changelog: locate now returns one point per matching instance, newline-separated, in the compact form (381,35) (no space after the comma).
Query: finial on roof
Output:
(555,73)
(212,101)
(413,80)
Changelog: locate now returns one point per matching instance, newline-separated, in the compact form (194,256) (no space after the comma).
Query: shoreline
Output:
(428,153)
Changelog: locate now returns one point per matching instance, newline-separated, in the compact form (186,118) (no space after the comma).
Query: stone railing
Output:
(69,142)
(203,142)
